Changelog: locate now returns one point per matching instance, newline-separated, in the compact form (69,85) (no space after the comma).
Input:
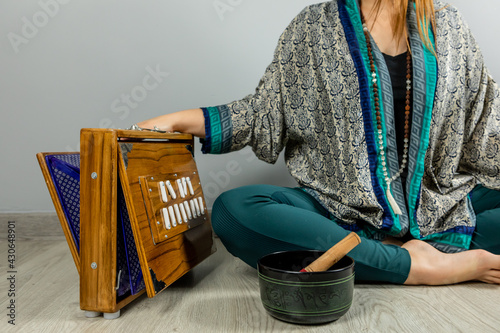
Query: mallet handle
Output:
(334,254)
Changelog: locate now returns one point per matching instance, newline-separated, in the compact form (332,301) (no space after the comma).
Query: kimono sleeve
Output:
(258,120)
(481,150)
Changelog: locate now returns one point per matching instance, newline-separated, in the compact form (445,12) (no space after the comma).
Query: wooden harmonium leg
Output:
(64,172)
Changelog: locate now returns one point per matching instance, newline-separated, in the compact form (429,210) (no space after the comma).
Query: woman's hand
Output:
(161,123)
(188,121)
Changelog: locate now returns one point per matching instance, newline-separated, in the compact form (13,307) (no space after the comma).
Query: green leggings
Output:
(256,220)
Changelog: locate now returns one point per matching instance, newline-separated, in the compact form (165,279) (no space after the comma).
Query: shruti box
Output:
(133,212)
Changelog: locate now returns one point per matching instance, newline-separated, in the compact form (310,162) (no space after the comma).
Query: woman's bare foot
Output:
(432,267)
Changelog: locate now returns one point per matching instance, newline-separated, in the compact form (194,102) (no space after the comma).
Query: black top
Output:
(397,70)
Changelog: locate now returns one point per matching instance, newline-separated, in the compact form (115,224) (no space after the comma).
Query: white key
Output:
(177,213)
(184,185)
(197,207)
(202,208)
(188,210)
(181,189)
(172,216)
(171,190)
(193,208)
(163,192)
(188,181)
(183,213)
(166,220)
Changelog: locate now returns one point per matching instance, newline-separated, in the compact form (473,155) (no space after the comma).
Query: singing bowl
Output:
(301,297)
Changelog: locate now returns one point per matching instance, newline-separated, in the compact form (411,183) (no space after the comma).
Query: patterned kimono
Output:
(315,102)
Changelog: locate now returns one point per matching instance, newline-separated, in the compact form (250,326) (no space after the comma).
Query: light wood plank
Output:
(37,226)
(221,295)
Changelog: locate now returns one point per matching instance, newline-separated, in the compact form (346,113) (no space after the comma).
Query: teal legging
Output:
(486,204)
(256,220)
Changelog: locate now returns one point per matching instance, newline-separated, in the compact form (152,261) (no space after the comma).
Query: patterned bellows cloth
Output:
(65,173)
(315,102)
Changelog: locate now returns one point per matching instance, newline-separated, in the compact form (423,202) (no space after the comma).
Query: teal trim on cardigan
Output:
(215,130)
(431,78)
(353,11)
(450,238)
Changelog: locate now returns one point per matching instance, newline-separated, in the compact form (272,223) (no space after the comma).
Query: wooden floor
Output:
(221,295)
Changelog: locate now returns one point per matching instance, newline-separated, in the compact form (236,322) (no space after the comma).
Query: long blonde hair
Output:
(425,17)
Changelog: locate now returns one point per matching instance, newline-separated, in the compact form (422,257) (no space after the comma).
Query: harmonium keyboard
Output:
(133,212)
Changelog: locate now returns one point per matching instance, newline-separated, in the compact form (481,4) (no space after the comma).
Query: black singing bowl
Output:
(301,297)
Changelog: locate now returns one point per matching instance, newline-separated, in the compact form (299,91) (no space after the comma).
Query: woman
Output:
(390,122)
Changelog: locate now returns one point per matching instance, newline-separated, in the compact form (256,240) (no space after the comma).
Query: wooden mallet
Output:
(334,254)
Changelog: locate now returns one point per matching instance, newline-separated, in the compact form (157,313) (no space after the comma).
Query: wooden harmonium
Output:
(133,212)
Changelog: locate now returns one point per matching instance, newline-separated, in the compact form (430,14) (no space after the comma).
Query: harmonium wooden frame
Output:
(139,186)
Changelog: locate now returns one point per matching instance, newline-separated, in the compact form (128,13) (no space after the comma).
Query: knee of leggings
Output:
(215,215)
(219,215)
(227,207)
(233,208)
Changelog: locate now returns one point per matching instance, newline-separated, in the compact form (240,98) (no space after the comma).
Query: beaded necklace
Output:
(380,141)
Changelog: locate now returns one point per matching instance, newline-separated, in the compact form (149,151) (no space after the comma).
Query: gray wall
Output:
(65,65)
